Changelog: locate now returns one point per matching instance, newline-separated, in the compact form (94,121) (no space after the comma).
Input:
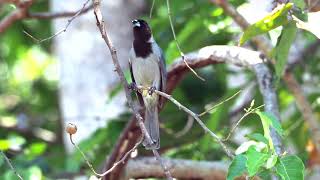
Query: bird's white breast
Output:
(146,71)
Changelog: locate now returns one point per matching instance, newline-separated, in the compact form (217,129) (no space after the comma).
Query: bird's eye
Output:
(136,23)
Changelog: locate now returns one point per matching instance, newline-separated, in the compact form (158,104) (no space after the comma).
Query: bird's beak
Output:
(136,23)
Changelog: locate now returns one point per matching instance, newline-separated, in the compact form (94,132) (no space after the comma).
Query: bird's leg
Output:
(151,90)
(133,86)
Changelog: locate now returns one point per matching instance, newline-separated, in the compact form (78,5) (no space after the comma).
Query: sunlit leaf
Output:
(271,161)
(4,144)
(272,120)
(277,18)
(268,120)
(31,65)
(237,167)
(35,149)
(290,168)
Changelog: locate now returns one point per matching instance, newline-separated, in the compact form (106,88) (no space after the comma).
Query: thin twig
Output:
(53,15)
(177,43)
(102,28)
(293,126)
(163,165)
(62,30)
(216,105)
(248,111)
(114,165)
(198,59)
(264,79)
(305,108)
(264,46)
(151,9)
(195,116)
(11,165)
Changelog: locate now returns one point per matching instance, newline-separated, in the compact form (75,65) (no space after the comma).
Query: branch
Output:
(196,117)
(264,79)
(240,57)
(130,134)
(10,165)
(205,56)
(71,129)
(182,169)
(177,42)
(305,107)
(264,45)
(248,111)
(102,28)
(16,15)
(237,56)
(52,15)
(79,12)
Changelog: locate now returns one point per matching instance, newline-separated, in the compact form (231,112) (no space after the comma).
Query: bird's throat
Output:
(142,48)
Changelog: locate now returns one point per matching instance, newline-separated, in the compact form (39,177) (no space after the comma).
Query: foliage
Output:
(259,155)
(29,97)
(277,18)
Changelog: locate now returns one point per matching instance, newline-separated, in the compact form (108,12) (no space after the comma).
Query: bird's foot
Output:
(133,87)
(151,90)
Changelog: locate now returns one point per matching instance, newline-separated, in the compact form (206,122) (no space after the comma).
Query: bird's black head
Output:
(141,30)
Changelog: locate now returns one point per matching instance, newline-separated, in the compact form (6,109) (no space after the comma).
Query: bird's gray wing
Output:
(139,96)
(163,71)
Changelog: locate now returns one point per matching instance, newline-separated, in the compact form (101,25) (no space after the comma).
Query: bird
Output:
(148,69)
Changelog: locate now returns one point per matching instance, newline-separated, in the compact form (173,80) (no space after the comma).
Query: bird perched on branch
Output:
(148,69)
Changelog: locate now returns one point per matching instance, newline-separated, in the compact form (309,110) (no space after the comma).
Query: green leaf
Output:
(35,150)
(299,3)
(281,51)
(255,160)
(277,18)
(271,161)
(237,167)
(290,168)
(268,120)
(272,120)
(4,144)
(258,137)
(264,174)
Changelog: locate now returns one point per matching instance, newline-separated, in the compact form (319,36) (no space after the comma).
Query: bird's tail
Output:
(152,125)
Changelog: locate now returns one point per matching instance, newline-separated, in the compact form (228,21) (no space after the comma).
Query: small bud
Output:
(252,103)
(71,128)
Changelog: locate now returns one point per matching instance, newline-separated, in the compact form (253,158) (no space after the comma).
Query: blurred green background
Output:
(30,130)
